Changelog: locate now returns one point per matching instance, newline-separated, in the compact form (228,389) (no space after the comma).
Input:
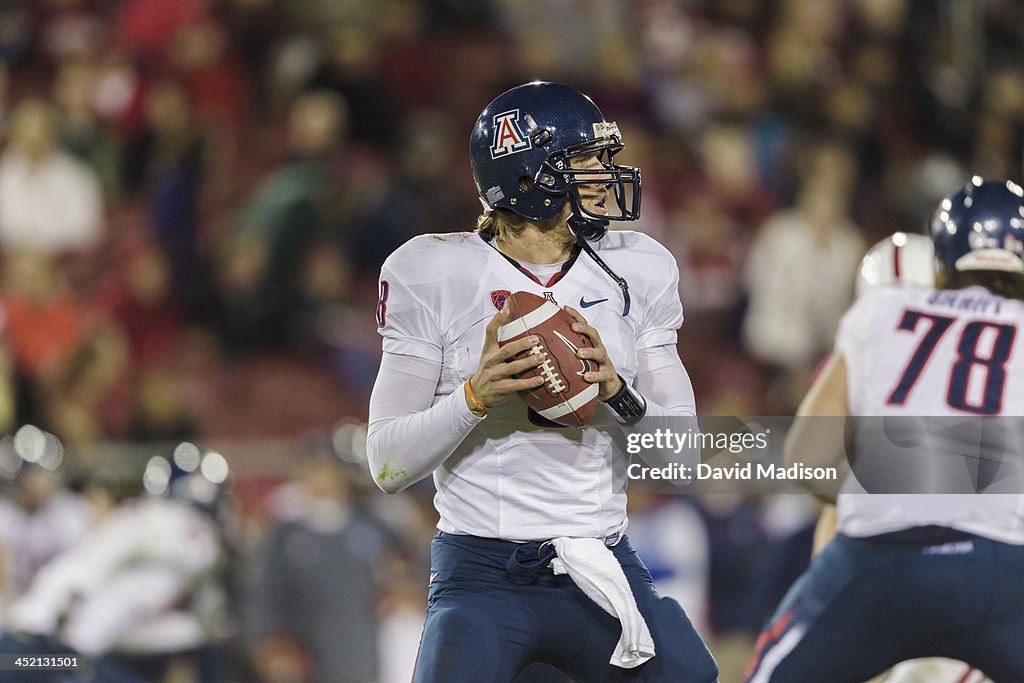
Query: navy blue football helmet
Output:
(980,227)
(189,476)
(521,149)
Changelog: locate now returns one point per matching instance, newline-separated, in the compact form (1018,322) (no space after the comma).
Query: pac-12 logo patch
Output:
(508,137)
(499,297)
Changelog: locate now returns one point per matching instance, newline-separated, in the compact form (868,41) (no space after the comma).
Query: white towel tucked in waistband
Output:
(593,567)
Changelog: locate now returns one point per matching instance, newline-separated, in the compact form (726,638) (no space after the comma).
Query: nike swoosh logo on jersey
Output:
(433,575)
(588,304)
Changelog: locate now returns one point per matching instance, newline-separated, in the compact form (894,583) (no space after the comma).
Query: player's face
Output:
(594,196)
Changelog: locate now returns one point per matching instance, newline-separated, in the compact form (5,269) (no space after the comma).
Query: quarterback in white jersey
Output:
(511,476)
(523,502)
(893,584)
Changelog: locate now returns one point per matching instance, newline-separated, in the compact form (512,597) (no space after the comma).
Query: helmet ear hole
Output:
(525,183)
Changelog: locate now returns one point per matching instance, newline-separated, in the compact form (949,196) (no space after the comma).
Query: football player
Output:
(900,260)
(914,575)
(140,589)
(519,497)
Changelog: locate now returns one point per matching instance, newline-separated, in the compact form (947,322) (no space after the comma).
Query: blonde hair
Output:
(504,224)
(500,223)
(1009,285)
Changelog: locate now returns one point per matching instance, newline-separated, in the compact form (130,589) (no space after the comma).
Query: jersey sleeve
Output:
(853,341)
(405,317)
(664,312)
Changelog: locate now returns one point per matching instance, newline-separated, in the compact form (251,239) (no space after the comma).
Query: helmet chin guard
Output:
(590,229)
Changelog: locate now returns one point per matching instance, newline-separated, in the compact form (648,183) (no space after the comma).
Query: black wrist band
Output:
(628,404)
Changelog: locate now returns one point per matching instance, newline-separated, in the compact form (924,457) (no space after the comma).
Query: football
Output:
(565,398)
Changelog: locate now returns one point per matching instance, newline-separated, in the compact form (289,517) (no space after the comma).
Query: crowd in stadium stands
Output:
(196,197)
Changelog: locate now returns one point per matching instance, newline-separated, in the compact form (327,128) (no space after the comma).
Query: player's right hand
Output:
(494,380)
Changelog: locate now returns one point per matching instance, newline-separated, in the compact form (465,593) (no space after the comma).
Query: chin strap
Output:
(586,229)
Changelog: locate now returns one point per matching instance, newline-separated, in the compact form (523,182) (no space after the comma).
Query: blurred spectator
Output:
(15,30)
(801,270)
(162,412)
(203,58)
(411,203)
(33,172)
(140,300)
(330,321)
(82,134)
(168,163)
(729,159)
(312,612)
(149,26)
(67,356)
(710,248)
(71,29)
(261,272)
(537,26)
(999,142)
(350,67)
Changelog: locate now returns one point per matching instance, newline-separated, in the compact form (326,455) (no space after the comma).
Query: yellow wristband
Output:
(475,406)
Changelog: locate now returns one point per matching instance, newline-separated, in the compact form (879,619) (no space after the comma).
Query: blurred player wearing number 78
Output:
(901,260)
(518,496)
(936,573)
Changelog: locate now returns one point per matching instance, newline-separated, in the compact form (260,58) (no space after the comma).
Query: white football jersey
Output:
(511,478)
(924,352)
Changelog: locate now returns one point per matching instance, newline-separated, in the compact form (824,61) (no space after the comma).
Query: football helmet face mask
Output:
(540,145)
(980,227)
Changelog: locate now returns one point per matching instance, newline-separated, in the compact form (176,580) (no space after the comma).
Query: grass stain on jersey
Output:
(386,474)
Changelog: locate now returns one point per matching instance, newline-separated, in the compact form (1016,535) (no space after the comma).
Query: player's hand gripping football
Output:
(494,379)
(607,379)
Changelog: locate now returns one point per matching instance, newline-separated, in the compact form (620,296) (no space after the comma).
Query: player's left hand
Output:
(605,376)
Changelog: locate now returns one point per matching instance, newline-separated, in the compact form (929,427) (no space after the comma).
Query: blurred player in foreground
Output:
(913,575)
(513,490)
(139,594)
(900,260)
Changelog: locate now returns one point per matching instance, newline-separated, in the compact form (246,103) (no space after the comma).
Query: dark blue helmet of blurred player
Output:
(189,476)
(980,228)
(521,150)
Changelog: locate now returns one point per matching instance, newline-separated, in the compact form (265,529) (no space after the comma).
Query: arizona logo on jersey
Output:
(499,297)
(508,138)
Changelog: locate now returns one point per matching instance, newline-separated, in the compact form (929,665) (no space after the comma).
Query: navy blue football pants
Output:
(866,604)
(489,618)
